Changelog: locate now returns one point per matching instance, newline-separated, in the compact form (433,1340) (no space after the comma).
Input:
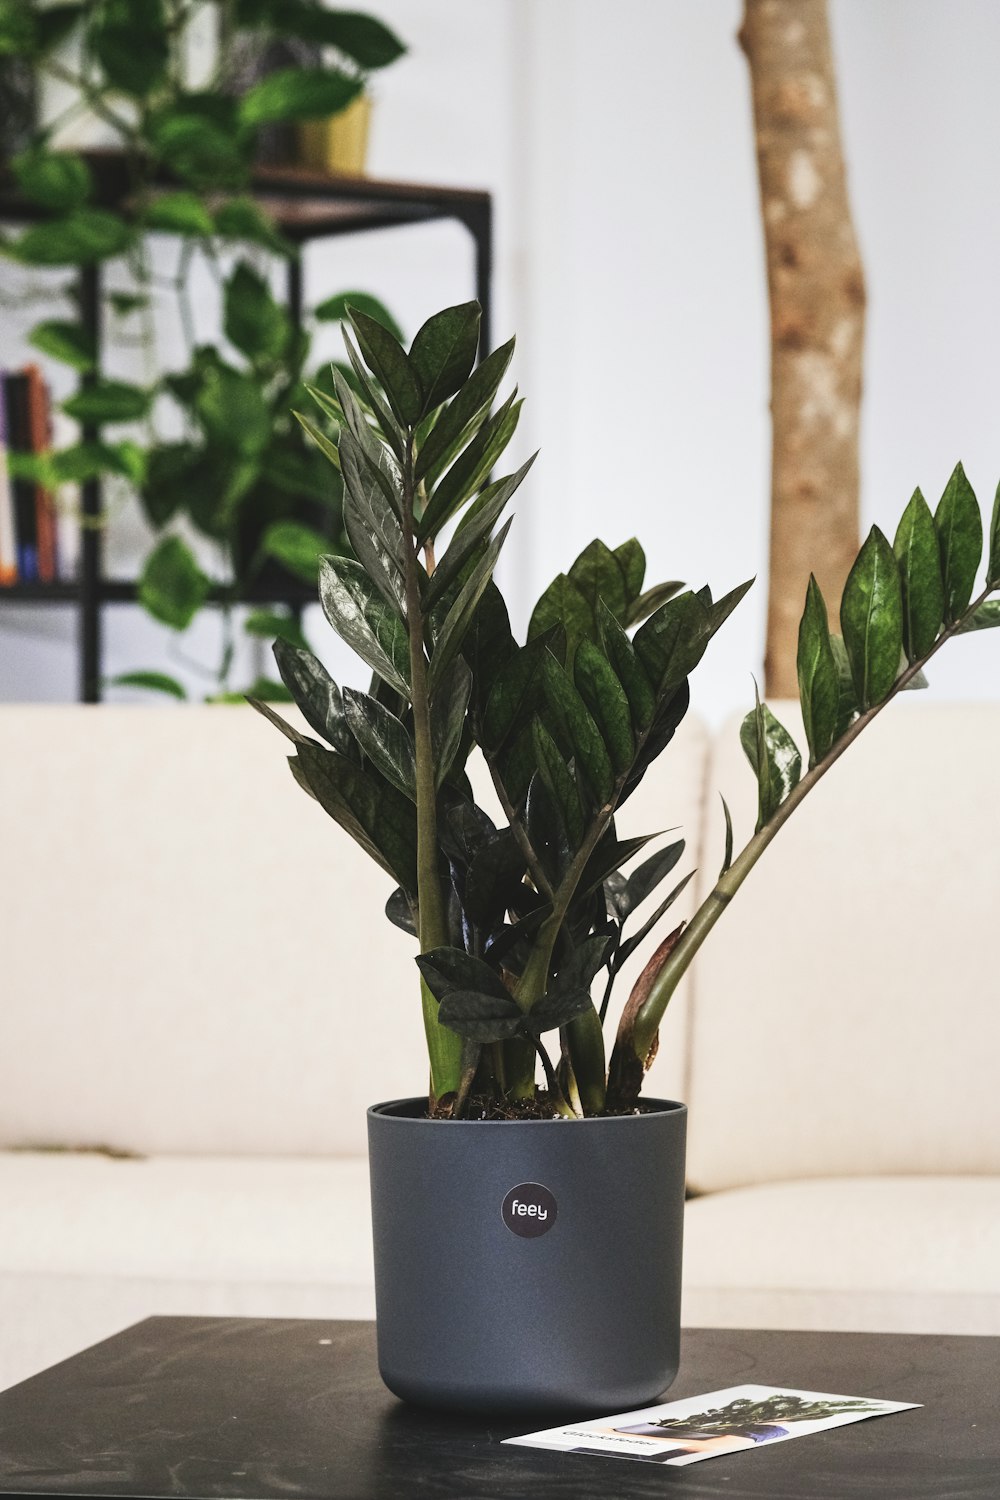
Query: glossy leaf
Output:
(559,782)
(651,600)
(328,449)
(363,619)
(449,970)
(513,695)
(577,723)
(673,641)
(460,616)
(470,402)
(632,560)
(642,882)
(720,611)
(727,858)
(390,365)
(70,343)
(172,587)
(628,947)
(179,213)
(986,617)
(379,818)
(297,547)
(383,739)
(562,604)
(599,575)
(449,707)
(317,695)
(444,351)
(819,682)
(400,912)
(472,533)
(481,1018)
(470,468)
(847,702)
(605,698)
(628,669)
(557,1007)
(774,757)
(372,524)
(871,618)
(298,94)
(993,568)
(960,536)
(253,321)
(919,557)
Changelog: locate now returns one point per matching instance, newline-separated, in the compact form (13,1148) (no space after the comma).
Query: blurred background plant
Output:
(212,449)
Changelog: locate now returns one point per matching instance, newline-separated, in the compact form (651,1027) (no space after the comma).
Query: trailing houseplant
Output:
(517,924)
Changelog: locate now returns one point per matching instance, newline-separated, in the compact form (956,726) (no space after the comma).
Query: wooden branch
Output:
(817,296)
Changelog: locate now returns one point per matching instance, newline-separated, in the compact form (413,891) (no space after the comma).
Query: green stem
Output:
(443,1046)
(634,1047)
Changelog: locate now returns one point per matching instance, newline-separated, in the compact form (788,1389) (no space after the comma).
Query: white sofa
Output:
(200,996)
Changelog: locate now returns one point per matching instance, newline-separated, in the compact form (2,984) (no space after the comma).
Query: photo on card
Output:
(686,1432)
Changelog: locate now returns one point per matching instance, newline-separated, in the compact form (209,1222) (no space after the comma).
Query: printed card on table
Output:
(685,1432)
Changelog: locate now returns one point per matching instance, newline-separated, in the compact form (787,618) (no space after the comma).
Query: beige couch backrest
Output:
(193,957)
(847,1006)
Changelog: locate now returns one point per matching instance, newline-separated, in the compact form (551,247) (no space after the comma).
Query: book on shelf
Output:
(28,520)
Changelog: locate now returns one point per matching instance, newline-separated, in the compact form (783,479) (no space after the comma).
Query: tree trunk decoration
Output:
(817,297)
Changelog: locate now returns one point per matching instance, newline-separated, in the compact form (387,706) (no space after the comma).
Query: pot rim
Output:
(392,1109)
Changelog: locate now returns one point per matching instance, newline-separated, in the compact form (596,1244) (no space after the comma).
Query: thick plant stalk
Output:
(817,297)
(635,1043)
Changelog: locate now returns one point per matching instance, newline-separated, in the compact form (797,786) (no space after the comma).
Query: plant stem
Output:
(444,1046)
(556,1098)
(634,1047)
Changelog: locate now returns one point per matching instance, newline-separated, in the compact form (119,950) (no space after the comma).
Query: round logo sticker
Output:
(529,1210)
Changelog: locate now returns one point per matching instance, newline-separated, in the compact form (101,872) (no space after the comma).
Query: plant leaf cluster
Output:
(238,467)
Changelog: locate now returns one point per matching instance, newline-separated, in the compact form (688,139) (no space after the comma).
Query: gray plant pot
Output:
(528,1265)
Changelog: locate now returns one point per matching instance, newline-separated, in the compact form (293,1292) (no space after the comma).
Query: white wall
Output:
(619,148)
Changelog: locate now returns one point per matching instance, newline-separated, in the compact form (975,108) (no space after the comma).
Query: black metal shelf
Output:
(306,205)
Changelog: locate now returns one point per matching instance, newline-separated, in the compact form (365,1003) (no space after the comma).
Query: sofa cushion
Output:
(194,957)
(845,1015)
(91,1244)
(889,1254)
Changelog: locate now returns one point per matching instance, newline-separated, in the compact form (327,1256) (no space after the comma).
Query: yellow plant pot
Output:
(339,143)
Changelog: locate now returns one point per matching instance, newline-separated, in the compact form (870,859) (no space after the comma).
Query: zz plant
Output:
(515,923)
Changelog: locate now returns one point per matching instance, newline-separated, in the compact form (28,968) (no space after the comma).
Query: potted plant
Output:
(528,1238)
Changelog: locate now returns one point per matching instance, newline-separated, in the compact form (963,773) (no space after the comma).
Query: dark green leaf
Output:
(575,720)
(819,682)
(108,401)
(605,697)
(390,365)
(171,469)
(450,970)
(628,670)
(470,468)
(204,152)
(444,352)
(58,180)
(475,527)
(297,547)
(919,558)
(627,948)
(632,561)
(562,604)
(179,213)
(481,1018)
(262,706)
(871,618)
(88,460)
(323,443)
(460,615)
(400,912)
(334,310)
(449,706)
(129,40)
(727,859)
(993,570)
(513,695)
(774,757)
(494,879)
(723,608)
(84,236)
(651,600)
(559,783)
(646,877)
(172,586)
(68,342)
(371,395)
(262,691)
(847,703)
(232,410)
(984,618)
(298,94)
(557,1008)
(362,618)
(371,522)
(154,682)
(598,574)
(254,322)
(673,641)
(379,818)
(317,695)
(471,401)
(383,739)
(960,535)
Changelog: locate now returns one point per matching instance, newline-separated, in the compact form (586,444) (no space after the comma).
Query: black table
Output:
(272,1407)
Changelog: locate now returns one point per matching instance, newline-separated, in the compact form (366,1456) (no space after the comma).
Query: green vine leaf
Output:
(919,557)
(871,617)
(960,534)
(819,681)
(298,94)
(69,343)
(57,180)
(172,587)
